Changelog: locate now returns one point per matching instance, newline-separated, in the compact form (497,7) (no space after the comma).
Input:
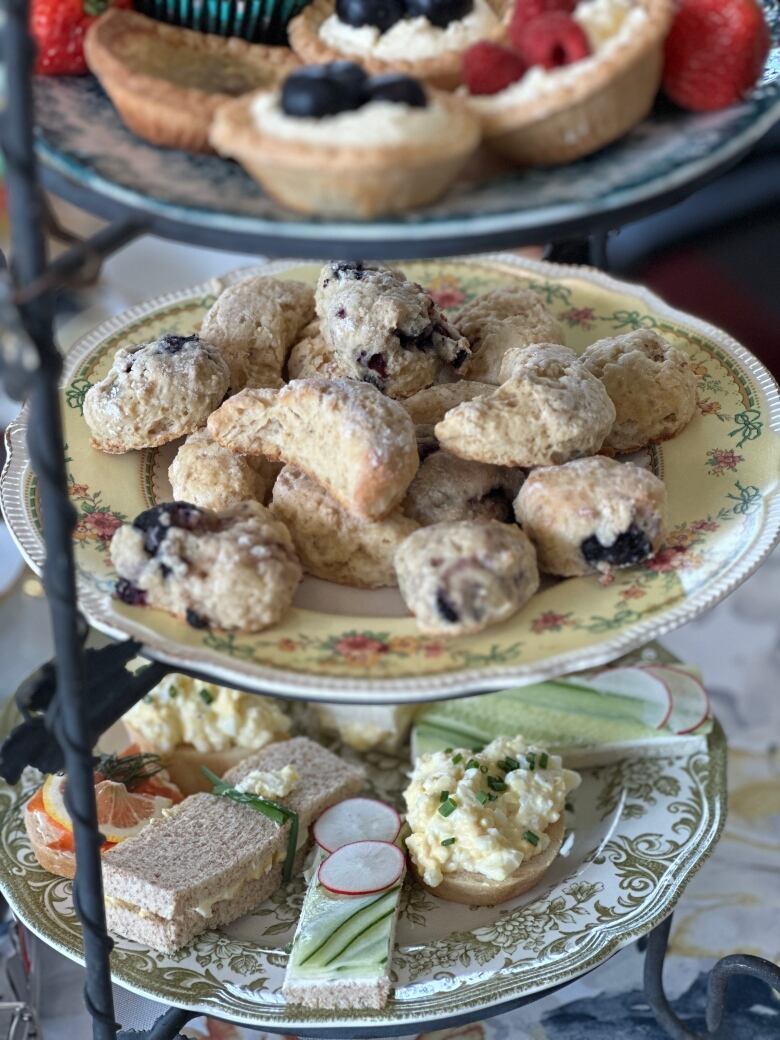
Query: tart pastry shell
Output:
(157,108)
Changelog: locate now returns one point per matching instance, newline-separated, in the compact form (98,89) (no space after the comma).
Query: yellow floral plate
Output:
(346,644)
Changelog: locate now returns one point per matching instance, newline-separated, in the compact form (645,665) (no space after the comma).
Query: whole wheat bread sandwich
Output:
(211,859)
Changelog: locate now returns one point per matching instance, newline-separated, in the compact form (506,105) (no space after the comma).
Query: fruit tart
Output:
(574,77)
(421,38)
(167,82)
(337,142)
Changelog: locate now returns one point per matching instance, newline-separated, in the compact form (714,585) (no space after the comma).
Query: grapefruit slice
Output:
(121,813)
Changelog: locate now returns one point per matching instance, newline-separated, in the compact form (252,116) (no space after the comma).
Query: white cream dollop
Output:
(493,827)
(269,783)
(410,39)
(377,123)
(184,711)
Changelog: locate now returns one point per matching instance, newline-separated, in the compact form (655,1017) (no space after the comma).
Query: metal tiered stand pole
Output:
(68,703)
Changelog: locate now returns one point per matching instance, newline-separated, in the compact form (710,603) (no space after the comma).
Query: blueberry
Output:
(157,521)
(172,344)
(632,546)
(401,89)
(382,14)
(129,593)
(351,77)
(439,12)
(312,92)
(446,607)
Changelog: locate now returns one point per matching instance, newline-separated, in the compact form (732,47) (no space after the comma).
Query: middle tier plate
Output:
(343,644)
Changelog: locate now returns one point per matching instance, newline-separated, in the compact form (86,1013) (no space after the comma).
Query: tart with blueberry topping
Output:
(422,38)
(574,77)
(167,82)
(337,142)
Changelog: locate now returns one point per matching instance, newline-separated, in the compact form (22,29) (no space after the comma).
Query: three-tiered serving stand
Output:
(71,701)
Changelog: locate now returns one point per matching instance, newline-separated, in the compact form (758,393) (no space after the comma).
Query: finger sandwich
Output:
(211,859)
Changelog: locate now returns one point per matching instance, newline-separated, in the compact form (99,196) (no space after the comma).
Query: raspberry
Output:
(526,11)
(715,52)
(488,68)
(552,40)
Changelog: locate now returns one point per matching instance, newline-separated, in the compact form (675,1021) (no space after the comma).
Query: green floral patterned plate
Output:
(345,644)
(638,831)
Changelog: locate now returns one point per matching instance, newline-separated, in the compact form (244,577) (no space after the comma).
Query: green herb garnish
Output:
(448,751)
(472,763)
(278,813)
(444,796)
(508,764)
(457,758)
(495,784)
(531,760)
(449,841)
(531,837)
(544,758)
(129,769)
(483,797)
(205,696)
(483,769)
(448,807)
(173,692)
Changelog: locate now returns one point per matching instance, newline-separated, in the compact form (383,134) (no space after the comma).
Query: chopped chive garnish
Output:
(204,695)
(472,763)
(173,692)
(531,837)
(483,797)
(449,841)
(492,797)
(495,784)
(278,813)
(544,758)
(457,758)
(508,764)
(444,796)
(531,760)
(448,808)
(448,751)
(483,769)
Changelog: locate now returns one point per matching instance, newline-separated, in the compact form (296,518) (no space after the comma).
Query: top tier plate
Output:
(90,158)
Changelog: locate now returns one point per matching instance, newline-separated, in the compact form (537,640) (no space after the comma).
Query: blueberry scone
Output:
(550,410)
(155,392)
(255,323)
(212,477)
(387,331)
(345,435)
(236,569)
(448,488)
(652,386)
(458,578)
(499,320)
(312,356)
(331,543)
(592,515)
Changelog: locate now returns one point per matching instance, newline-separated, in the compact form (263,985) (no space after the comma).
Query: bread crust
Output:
(477,890)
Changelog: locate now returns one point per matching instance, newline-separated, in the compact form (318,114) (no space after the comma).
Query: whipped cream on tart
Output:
(423,38)
(557,114)
(337,142)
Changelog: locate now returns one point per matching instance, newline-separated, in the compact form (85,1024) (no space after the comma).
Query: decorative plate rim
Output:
(82,175)
(604,940)
(409,689)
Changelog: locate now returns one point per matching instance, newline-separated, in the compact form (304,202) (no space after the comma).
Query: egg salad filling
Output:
(181,710)
(484,811)
(270,783)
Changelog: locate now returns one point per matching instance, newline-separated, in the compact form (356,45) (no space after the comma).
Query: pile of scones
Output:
(359,434)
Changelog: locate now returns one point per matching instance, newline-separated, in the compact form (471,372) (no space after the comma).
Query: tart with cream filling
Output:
(167,82)
(421,38)
(338,143)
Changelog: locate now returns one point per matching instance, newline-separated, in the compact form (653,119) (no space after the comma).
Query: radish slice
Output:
(690,703)
(356,819)
(362,868)
(652,693)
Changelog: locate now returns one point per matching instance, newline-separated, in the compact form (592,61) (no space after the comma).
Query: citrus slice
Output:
(121,813)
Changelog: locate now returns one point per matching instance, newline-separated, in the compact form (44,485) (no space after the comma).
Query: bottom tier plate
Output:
(639,830)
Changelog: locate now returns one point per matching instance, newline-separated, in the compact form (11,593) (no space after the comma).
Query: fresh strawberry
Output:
(526,11)
(715,52)
(58,28)
(489,67)
(552,40)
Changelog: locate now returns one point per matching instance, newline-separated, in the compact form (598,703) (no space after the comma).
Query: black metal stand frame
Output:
(63,713)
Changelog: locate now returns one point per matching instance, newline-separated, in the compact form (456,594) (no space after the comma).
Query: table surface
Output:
(733,903)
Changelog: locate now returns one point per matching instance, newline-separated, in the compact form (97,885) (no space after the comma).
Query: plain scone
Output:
(331,543)
(359,445)
(212,477)
(464,886)
(550,409)
(255,323)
